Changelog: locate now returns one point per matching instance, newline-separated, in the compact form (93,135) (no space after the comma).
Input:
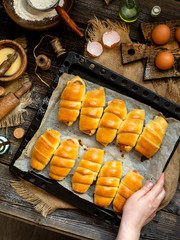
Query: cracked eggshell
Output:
(110,39)
(94,49)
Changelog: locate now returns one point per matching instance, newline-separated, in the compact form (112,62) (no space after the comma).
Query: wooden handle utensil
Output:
(69,21)
(11,100)
(5,143)
(7,63)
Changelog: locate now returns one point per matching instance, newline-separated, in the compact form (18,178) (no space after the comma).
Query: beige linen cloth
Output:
(111,58)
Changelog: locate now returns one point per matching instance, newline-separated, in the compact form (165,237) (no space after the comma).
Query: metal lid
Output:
(155,11)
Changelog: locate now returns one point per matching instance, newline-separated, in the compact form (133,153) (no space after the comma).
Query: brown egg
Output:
(161,34)
(177,34)
(164,60)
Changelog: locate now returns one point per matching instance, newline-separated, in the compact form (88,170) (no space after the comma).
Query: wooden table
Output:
(166,224)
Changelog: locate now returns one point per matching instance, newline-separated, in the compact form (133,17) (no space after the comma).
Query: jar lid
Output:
(156,10)
(5,148)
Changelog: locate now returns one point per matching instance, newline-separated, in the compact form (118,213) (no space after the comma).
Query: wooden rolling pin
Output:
(11,100)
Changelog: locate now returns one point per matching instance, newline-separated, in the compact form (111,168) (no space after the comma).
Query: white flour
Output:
(42,3)
(24,11)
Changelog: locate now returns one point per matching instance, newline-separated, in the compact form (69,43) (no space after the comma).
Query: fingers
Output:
(155,205)
(147,187)
(158,187)
(160,197)
(161,179)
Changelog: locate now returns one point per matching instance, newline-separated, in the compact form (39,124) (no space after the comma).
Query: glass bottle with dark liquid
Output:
(129,10)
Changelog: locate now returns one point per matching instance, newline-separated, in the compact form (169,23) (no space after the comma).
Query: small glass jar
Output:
(155,11)
(129,10)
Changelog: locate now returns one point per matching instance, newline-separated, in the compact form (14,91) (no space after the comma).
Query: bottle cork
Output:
(19,133)
(155,11)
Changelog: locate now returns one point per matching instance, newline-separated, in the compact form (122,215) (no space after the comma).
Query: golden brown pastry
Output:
(131,183)
(107,183)
(130,129)
(151,138)
(71,99)
(110,122)
(92,109)
(64,159)
(44,149)
(87,170)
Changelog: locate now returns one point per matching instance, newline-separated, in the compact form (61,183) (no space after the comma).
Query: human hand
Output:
(140,209)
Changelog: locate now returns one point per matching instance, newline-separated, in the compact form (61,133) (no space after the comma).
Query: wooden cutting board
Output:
(134,52)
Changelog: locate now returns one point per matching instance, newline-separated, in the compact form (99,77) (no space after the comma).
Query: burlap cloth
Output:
(15,117)
(111,58)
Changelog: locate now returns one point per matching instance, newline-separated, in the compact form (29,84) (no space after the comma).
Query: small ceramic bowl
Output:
(23,56)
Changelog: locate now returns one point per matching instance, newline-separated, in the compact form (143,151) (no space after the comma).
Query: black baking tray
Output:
(79,65)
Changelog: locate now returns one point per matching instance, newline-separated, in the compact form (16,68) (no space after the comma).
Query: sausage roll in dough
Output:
(110,122)
(64,159)
(131,183)
(44,149)
(130,129)
(71,99)
(87,170)
(151,138)
(92,109)
(107,183)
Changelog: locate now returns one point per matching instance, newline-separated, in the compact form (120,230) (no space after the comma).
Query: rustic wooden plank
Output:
(11,227)
(74,221)
(67,220)
(162,227)
(174,206)
(133,52)
(170,11)
(148,27)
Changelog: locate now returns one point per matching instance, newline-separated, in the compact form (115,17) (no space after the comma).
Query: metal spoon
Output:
(61,12)
(45,8)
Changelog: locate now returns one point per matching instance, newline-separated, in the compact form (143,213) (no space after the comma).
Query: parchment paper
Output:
(149,169)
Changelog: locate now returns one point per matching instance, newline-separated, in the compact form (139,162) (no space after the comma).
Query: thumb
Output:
(145,189)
